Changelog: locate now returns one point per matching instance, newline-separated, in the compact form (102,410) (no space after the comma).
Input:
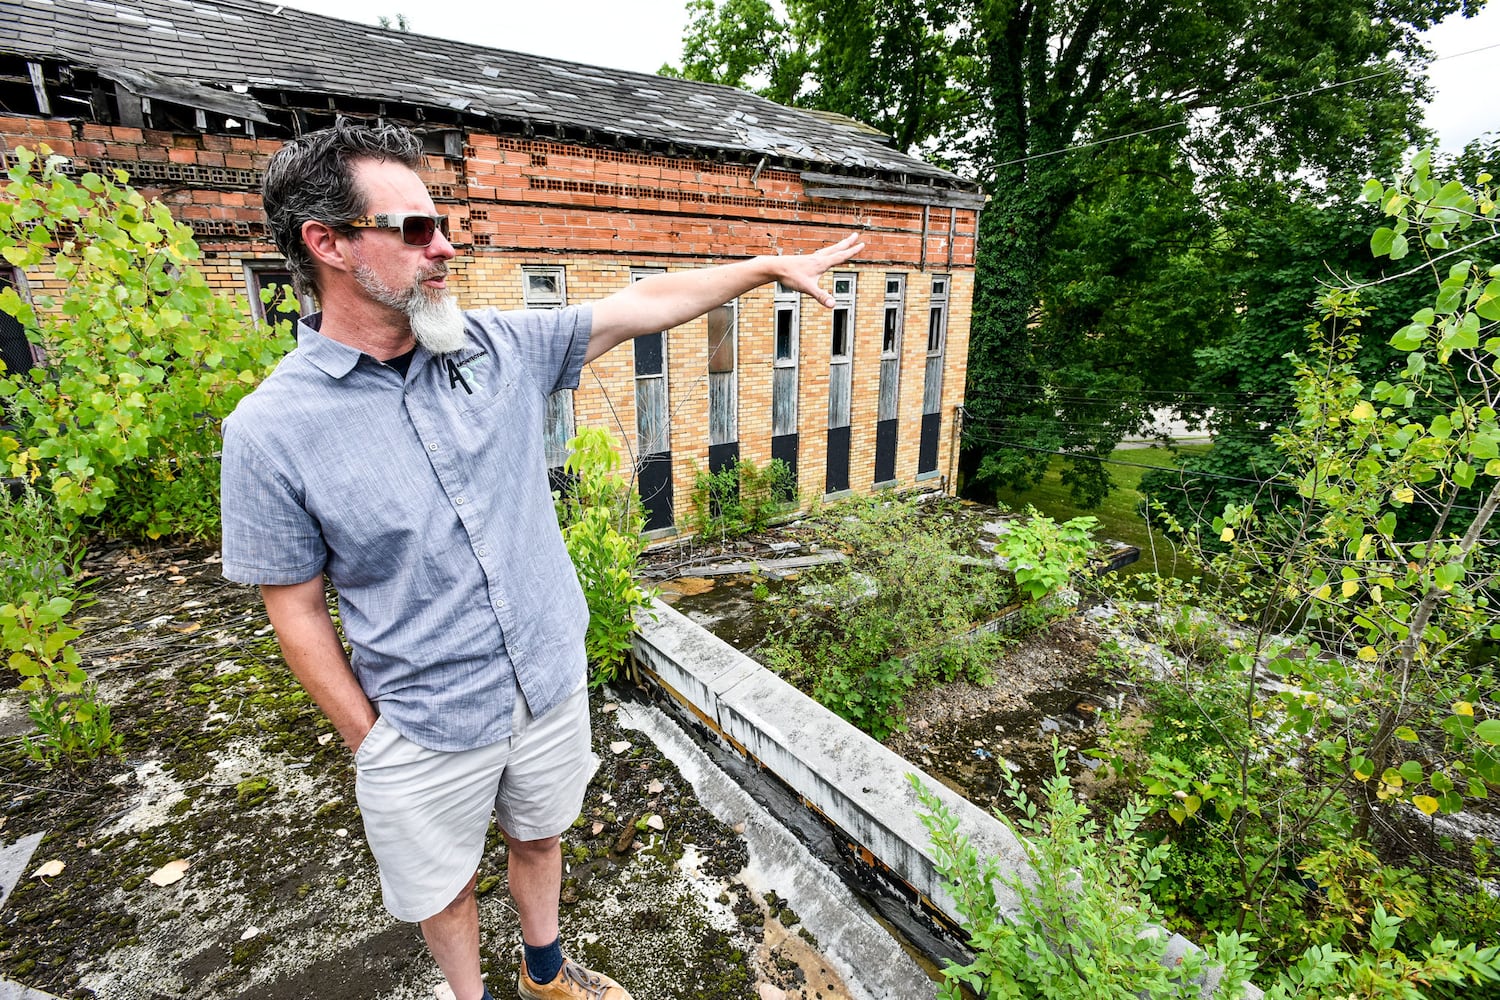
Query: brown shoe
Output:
(573,982)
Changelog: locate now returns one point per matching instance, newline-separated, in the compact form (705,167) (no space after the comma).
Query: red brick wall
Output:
(597,213)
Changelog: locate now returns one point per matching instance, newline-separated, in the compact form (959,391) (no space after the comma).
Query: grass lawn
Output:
(1119,513)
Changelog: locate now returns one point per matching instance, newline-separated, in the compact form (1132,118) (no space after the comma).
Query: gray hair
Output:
(311,178)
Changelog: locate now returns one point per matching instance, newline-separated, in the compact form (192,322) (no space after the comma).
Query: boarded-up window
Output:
(546,288)
(841,348)
(890,346)
(652,433)
(784,378)
(937,336)
(723,405)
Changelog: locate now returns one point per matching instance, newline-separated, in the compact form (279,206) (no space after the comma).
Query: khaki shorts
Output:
(426,812)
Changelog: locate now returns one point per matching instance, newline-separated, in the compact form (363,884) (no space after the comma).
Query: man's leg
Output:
(452,936)
(535,869)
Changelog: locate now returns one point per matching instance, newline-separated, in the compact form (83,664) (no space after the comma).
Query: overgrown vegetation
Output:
(121,426)
(119,429)
(1043,555)
(1085,927)
(893,616)
(739,499)
(602,523)
(39,560)
(1336,673)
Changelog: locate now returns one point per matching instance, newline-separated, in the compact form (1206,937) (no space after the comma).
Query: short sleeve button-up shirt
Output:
(426,502)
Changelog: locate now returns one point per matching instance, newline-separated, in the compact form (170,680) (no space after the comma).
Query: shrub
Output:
(602,524)
(144,360)
(739,499)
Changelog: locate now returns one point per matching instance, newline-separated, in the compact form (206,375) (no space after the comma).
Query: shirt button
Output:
(499,604)
(482,551)
(432,447)
(459,501)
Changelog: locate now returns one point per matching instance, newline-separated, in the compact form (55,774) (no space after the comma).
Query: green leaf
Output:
(1399,247)
(1409,337)
(1382,241)
(1411,771)
(1372,191)
(1488,303)
(1489,731)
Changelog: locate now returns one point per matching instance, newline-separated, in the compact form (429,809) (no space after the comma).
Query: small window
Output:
(786,335)
(937,315)
(843,317)
(543,287)
(271,280)
(546,288)
(895,306)
(788,304)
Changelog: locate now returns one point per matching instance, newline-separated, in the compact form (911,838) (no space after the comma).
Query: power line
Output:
(1246,107)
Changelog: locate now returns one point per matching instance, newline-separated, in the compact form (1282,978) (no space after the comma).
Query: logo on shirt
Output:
(462,370)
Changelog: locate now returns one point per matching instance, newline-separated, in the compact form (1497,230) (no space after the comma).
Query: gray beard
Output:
(436,321)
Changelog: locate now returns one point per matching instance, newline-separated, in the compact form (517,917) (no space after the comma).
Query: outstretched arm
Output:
(667,300)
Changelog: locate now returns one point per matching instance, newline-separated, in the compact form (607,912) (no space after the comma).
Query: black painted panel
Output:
(784,447)
(559,480)
(885,450)
(654,480)
(837,475)
(722,456)
(927,450)
(648,354)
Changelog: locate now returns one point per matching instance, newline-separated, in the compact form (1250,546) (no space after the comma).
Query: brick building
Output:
(563,182)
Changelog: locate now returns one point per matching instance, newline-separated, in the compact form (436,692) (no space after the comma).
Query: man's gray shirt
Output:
(426,502)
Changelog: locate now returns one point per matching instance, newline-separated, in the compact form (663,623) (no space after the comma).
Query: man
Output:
(398,451)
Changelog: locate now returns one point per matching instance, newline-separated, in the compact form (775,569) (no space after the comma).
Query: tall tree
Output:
(1222,100)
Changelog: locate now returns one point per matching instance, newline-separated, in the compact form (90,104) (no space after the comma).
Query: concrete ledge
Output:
(852,781)
(855,783)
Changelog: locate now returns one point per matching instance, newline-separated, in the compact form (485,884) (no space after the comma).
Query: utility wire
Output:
(1245,107)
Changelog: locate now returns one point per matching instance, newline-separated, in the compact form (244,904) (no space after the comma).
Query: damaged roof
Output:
(242,57)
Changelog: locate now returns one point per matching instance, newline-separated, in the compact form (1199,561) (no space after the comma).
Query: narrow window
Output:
(723,409)
(840,385)
(932,380)
(888,406)
(937,315)
(546,288)
(784,380)
(840,348)
(652,422)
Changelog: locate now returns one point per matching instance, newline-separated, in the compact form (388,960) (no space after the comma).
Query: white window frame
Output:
(787,300)
(536,299)
(941,283)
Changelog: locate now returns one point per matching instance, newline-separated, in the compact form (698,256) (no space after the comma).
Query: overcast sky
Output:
(642,34)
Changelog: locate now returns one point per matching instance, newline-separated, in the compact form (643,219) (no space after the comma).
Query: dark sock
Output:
(544,963)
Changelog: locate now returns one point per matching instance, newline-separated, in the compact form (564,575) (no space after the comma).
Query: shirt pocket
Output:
(475,379)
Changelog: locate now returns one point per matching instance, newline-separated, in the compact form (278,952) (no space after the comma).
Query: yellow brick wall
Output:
(606,393)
